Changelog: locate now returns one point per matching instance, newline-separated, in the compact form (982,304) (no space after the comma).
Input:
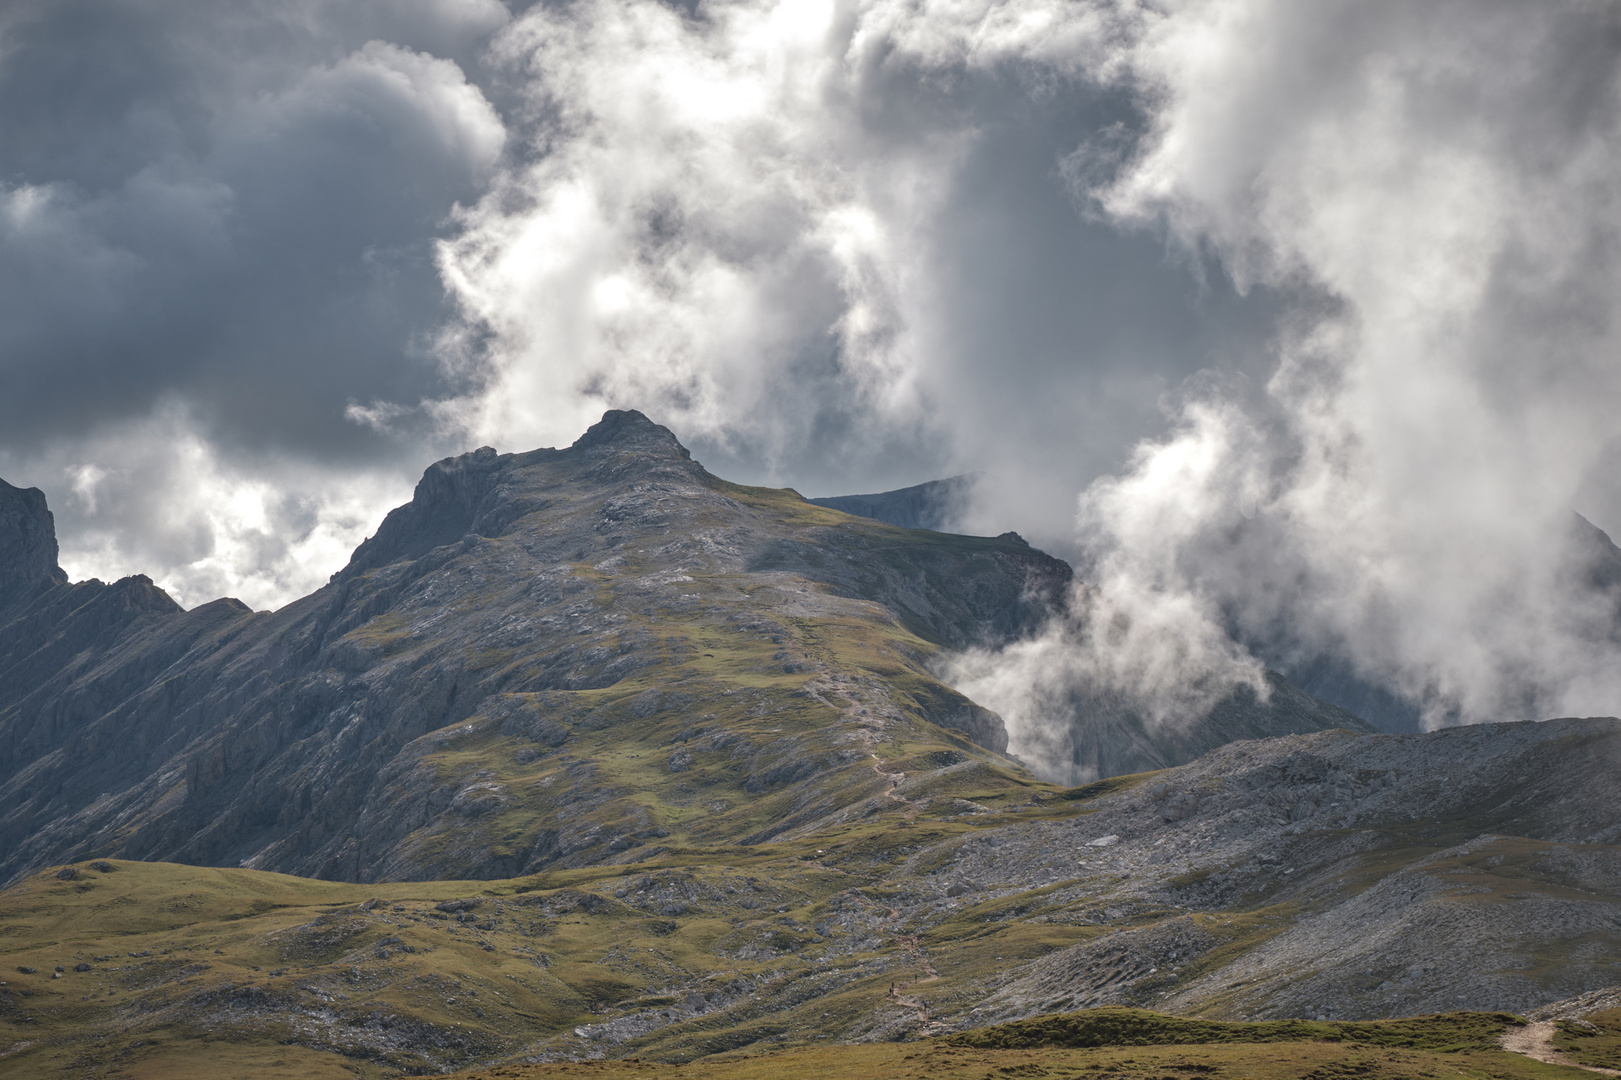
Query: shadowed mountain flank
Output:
(934,505)
(557,657)
(1107,736)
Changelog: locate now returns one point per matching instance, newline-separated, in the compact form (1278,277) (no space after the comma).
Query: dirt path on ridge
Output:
(927,1025)
(1535,1040)
(910,809)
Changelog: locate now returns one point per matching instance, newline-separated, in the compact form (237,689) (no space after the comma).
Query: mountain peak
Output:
(630,430)
(484,491)
(27,543)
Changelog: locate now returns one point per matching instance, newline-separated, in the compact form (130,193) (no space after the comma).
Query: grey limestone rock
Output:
(1390,875)
(27,544)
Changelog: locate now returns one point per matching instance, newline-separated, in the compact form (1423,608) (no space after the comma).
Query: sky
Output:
(1293,325)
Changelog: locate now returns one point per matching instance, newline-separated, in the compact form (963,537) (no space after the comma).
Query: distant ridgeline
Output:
(1591,561)
(937,504)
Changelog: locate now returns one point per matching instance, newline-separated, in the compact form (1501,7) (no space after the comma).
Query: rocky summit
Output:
(588,755)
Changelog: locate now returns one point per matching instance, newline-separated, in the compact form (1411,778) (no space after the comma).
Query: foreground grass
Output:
(1593,1040)
(1124,1043)
(727,961)
(180,971)
(151,969)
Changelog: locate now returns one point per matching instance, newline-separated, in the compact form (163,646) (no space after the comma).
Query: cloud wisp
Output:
(703,226)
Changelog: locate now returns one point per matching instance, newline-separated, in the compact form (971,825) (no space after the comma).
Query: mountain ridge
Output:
(935,505)
(224,735)
(28,549)
(561,656)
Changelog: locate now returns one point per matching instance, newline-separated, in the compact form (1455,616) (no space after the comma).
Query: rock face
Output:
(473,695)
(27,544)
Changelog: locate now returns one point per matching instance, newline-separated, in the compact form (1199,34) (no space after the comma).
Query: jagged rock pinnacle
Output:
(27,543)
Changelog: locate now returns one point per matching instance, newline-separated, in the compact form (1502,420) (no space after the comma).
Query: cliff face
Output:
(27,544)
(558,657)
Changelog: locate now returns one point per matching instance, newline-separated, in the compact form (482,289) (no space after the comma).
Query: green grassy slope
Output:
(190,968)
(1593,1040)
(1129,1045)
(812,947)
(209,972)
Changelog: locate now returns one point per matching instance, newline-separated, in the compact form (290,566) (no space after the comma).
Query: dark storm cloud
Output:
(1050,328)
(230,202)
(216,230)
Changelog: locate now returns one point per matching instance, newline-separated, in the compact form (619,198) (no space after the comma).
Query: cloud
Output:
(1144,638)
(229,212)
(700,226)
(157,496)
(1399,492)
(829,244)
